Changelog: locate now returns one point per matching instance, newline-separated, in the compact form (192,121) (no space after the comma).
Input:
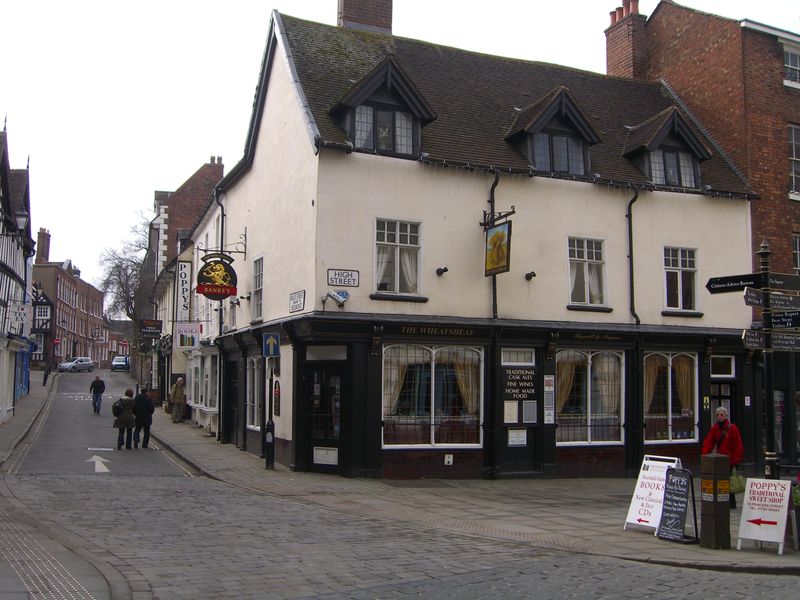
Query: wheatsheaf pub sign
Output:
(216,279)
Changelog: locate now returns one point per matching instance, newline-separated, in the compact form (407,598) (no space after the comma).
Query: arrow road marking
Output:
(760,521)
(99,464)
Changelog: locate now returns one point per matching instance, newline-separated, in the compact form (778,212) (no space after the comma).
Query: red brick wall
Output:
(373,13)
(731,78)
(626,48)
(417,464)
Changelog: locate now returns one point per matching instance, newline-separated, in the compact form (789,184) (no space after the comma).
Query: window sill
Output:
(686,314)
(590,308)
(791,84)
(794,196)
(397,297)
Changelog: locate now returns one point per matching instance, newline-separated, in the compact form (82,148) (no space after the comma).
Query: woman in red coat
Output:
(724,438)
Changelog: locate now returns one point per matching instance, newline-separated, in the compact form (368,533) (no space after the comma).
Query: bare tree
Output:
(123,271)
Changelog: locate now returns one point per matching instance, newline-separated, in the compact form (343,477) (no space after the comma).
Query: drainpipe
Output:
(491,216)
(220,366)
(629,216)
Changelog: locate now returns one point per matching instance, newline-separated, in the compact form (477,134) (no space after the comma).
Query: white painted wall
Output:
(449,204)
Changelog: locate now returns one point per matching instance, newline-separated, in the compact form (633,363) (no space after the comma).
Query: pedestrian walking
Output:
(124,420)
(143,413)
(177,396)
(97,388)
(724,438)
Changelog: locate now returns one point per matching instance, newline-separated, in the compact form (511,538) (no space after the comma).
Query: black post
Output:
(269,437)
(771,470)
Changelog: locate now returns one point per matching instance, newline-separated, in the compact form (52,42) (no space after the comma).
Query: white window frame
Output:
(796,253)
(685,257)
(252,407)
(257,295)
(791,66)
(584,261)
(794,162)
(670,356)
(432,353)
(729,373)
(397,246)
(590,355)
(42,311)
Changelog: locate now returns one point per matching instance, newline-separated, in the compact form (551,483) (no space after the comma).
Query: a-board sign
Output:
(672,525)
(648,496)
(764,511)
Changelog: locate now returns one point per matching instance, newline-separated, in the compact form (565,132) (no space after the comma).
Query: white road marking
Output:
(99,464)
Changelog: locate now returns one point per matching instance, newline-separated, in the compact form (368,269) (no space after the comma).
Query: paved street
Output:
(244,532)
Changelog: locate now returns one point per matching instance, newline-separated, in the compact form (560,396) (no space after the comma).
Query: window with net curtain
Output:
(670,396)
(397,256)
(432,395)
(253,406)
(589,390)
(586,271)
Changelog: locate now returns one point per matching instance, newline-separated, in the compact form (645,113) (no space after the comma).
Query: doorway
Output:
(325,397)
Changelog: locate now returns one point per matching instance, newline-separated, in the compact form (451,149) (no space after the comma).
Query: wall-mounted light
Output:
(245,297)
(530,275)
(441,271)
(21,218)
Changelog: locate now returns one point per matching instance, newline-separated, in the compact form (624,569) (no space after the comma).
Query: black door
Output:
(231,403)
(325,396)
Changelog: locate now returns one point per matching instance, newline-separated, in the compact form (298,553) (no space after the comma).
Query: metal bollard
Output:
(772,468)
(715,510)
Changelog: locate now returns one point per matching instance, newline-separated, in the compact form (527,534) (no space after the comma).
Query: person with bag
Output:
(97,388)
(177,396)
(724,438)
(143,413)
(124,421)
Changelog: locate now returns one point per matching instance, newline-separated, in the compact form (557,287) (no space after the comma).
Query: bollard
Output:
(771,466)
(715,510)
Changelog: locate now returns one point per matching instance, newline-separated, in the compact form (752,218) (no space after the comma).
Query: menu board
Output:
(672,524)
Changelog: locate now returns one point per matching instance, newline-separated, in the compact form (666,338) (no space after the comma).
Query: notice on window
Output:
(510,411)
(517,438)
(549,399)
(529,411)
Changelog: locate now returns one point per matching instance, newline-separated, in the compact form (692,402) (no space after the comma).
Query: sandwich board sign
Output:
(648,496)
(764,512)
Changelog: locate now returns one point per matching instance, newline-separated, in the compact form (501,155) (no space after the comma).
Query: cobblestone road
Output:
(178,537)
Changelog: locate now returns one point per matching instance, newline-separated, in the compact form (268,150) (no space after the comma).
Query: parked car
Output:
(75,364)
(120,363)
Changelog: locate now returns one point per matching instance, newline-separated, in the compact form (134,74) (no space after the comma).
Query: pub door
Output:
(231,404)
(325,395)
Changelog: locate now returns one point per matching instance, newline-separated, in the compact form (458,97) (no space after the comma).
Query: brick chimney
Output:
(42,246)
(367,15)
(626,42)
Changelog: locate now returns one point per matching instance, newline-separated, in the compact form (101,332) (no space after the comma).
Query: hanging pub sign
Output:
(216,279)
(498,249)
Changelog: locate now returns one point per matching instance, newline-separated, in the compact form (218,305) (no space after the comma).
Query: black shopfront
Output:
(398,397)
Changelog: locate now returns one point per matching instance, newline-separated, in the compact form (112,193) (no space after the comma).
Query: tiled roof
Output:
(477,99)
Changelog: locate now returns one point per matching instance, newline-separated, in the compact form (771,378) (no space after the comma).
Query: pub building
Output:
(410,334)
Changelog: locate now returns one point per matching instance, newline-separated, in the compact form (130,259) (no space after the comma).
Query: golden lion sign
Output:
(216,279)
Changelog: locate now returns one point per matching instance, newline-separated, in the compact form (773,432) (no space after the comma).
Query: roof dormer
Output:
(554,134)
(384,112)
(667,149)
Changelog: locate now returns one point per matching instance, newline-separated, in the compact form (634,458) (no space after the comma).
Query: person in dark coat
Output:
(97,388)
(724,438)
(125,421)
(143,411)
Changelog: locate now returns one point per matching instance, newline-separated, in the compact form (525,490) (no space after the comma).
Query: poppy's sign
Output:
(216,279)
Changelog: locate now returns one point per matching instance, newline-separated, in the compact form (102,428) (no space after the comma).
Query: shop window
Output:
(589,395)
(432,395)
(252,404)
(670,397)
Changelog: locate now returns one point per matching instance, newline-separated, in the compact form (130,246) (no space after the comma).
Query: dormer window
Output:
(672,167)
(557,152)
(384,129)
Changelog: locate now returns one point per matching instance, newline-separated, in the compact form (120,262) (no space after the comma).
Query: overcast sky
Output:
(113,100)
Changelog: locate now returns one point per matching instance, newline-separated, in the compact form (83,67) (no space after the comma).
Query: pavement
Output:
(573,515)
